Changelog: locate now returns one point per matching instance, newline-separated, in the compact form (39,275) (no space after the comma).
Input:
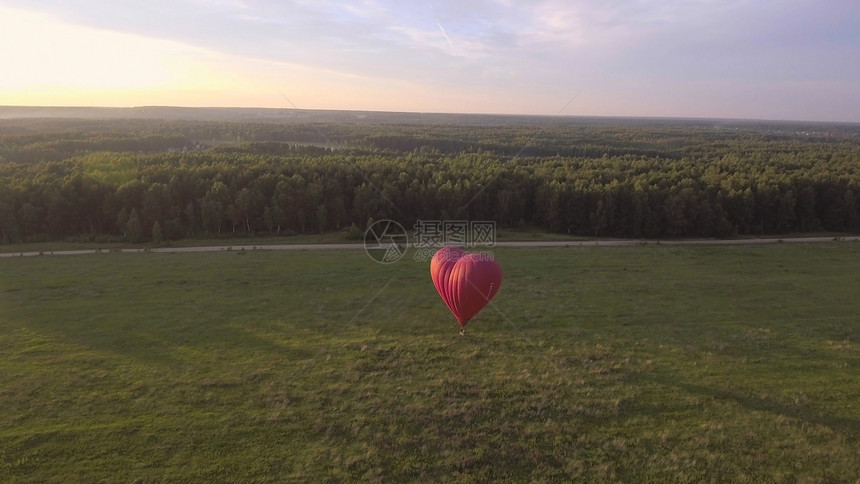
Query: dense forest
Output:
(140,179)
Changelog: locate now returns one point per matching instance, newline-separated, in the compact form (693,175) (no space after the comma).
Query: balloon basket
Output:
(462,331)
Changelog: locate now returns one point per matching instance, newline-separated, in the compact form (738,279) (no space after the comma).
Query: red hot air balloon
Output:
(466,282)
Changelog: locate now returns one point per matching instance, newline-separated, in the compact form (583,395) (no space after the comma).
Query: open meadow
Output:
(640,364)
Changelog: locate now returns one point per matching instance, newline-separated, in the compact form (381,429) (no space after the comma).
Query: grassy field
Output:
(641,364)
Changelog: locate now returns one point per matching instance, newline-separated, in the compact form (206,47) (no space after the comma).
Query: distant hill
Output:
(279,115)
(284,115)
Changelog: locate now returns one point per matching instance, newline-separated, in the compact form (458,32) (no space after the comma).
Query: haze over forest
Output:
(635,119)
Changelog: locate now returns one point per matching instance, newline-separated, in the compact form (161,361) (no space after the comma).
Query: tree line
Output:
(154,180)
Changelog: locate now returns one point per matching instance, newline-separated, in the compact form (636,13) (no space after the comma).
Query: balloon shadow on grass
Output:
(848,427)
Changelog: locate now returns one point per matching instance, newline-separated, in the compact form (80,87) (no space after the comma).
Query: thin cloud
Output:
(445,34)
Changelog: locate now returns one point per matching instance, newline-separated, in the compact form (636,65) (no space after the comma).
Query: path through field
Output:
(560,243)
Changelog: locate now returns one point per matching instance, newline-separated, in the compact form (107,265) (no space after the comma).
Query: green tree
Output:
(157,236)
(8,225)
(133,228)
(322,218)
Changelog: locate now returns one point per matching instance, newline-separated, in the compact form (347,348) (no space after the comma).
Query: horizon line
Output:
(422,113)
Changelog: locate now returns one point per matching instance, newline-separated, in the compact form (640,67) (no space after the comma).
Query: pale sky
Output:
(759,59)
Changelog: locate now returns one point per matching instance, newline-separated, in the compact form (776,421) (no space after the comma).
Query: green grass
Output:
(641,364)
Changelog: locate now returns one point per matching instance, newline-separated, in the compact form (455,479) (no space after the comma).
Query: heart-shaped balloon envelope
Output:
(466,282)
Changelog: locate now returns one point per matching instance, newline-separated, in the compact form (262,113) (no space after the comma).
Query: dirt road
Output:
(568,243)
